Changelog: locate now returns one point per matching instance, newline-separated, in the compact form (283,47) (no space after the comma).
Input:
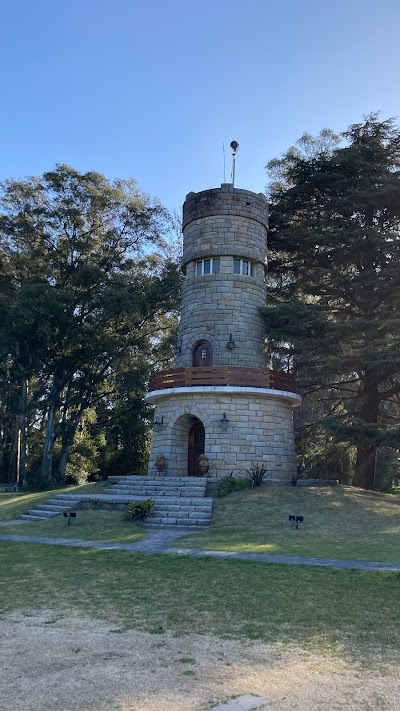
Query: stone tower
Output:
(221,399)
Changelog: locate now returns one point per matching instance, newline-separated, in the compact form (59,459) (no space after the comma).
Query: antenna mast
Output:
(223,151)
(234,148)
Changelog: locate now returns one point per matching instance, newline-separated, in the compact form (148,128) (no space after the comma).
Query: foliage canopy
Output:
(334,303)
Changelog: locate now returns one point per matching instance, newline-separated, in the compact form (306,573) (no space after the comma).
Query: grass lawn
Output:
(12,505)
(90,525)
(339,522)
(348,613)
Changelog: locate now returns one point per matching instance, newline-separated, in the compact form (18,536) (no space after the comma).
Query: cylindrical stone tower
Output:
(222,399)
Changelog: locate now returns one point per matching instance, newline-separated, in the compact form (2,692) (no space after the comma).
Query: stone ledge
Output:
(155,395)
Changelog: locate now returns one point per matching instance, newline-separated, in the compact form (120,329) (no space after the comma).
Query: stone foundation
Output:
(260,429)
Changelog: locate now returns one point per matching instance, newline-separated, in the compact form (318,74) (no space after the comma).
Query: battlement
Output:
(225,221)
(225,200)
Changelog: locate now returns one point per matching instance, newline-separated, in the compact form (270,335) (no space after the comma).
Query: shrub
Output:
(140,509)
(295,476)
(230,483)
(256,473)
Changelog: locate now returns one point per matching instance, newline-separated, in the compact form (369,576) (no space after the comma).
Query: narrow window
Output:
(243,266)
(208,266)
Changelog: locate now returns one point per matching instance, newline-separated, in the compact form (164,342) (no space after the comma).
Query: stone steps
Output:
(178,501)
(159,486)
(53,507)
(152,492)
(155,521)
(175,480)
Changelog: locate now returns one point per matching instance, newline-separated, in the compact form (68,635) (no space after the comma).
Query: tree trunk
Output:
(23,434)
(69,431)
(13,461)
(364,472)
(63,463)
(47,459)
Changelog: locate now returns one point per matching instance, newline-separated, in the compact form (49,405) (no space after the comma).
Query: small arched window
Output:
(202,355)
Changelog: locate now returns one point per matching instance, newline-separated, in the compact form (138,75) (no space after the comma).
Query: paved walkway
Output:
(159,542)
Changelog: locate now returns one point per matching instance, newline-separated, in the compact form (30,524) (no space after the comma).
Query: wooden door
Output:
(202,355)
(196,448)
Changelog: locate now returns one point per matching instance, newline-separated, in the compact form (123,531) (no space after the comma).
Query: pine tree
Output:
(334,307)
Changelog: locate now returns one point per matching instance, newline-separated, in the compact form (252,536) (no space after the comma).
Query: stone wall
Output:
(260,429)
(216,305)
(226,223)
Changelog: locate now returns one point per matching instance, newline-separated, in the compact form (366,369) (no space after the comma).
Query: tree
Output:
(83,286)
(334,307)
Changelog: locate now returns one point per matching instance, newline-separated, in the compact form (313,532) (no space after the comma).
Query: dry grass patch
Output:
(84,664)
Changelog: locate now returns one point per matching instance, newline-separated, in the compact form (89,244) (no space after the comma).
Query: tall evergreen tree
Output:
(82,288)
(334,306)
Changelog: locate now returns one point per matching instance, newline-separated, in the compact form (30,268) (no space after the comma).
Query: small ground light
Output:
(69,515)
(296,520)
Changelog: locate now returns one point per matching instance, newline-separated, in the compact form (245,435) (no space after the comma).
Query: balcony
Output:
(223,375)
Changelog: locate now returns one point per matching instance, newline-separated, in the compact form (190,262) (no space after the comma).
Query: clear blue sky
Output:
(151,89)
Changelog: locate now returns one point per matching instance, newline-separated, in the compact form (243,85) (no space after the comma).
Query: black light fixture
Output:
(231,343)
(69,515)
(224,422)
(158,424)
(296,520)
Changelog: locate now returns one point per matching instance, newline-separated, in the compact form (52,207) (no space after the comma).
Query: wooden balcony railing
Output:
(223,375)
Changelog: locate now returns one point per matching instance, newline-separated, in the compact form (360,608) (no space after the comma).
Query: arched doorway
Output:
(195,447)
(202,355)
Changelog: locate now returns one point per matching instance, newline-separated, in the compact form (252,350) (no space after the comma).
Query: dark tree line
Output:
(333,314)
(88,304)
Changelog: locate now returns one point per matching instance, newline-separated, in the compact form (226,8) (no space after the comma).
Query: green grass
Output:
(349,613)
(90,525)
(12,505)
(339,522)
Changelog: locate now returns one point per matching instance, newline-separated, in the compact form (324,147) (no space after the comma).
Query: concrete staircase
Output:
(53,507)
(178,501)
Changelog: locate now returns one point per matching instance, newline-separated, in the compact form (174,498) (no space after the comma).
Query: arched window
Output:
(202,355)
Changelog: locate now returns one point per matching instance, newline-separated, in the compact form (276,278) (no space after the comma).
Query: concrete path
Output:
(159,542)
(155,541)
(286,559)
